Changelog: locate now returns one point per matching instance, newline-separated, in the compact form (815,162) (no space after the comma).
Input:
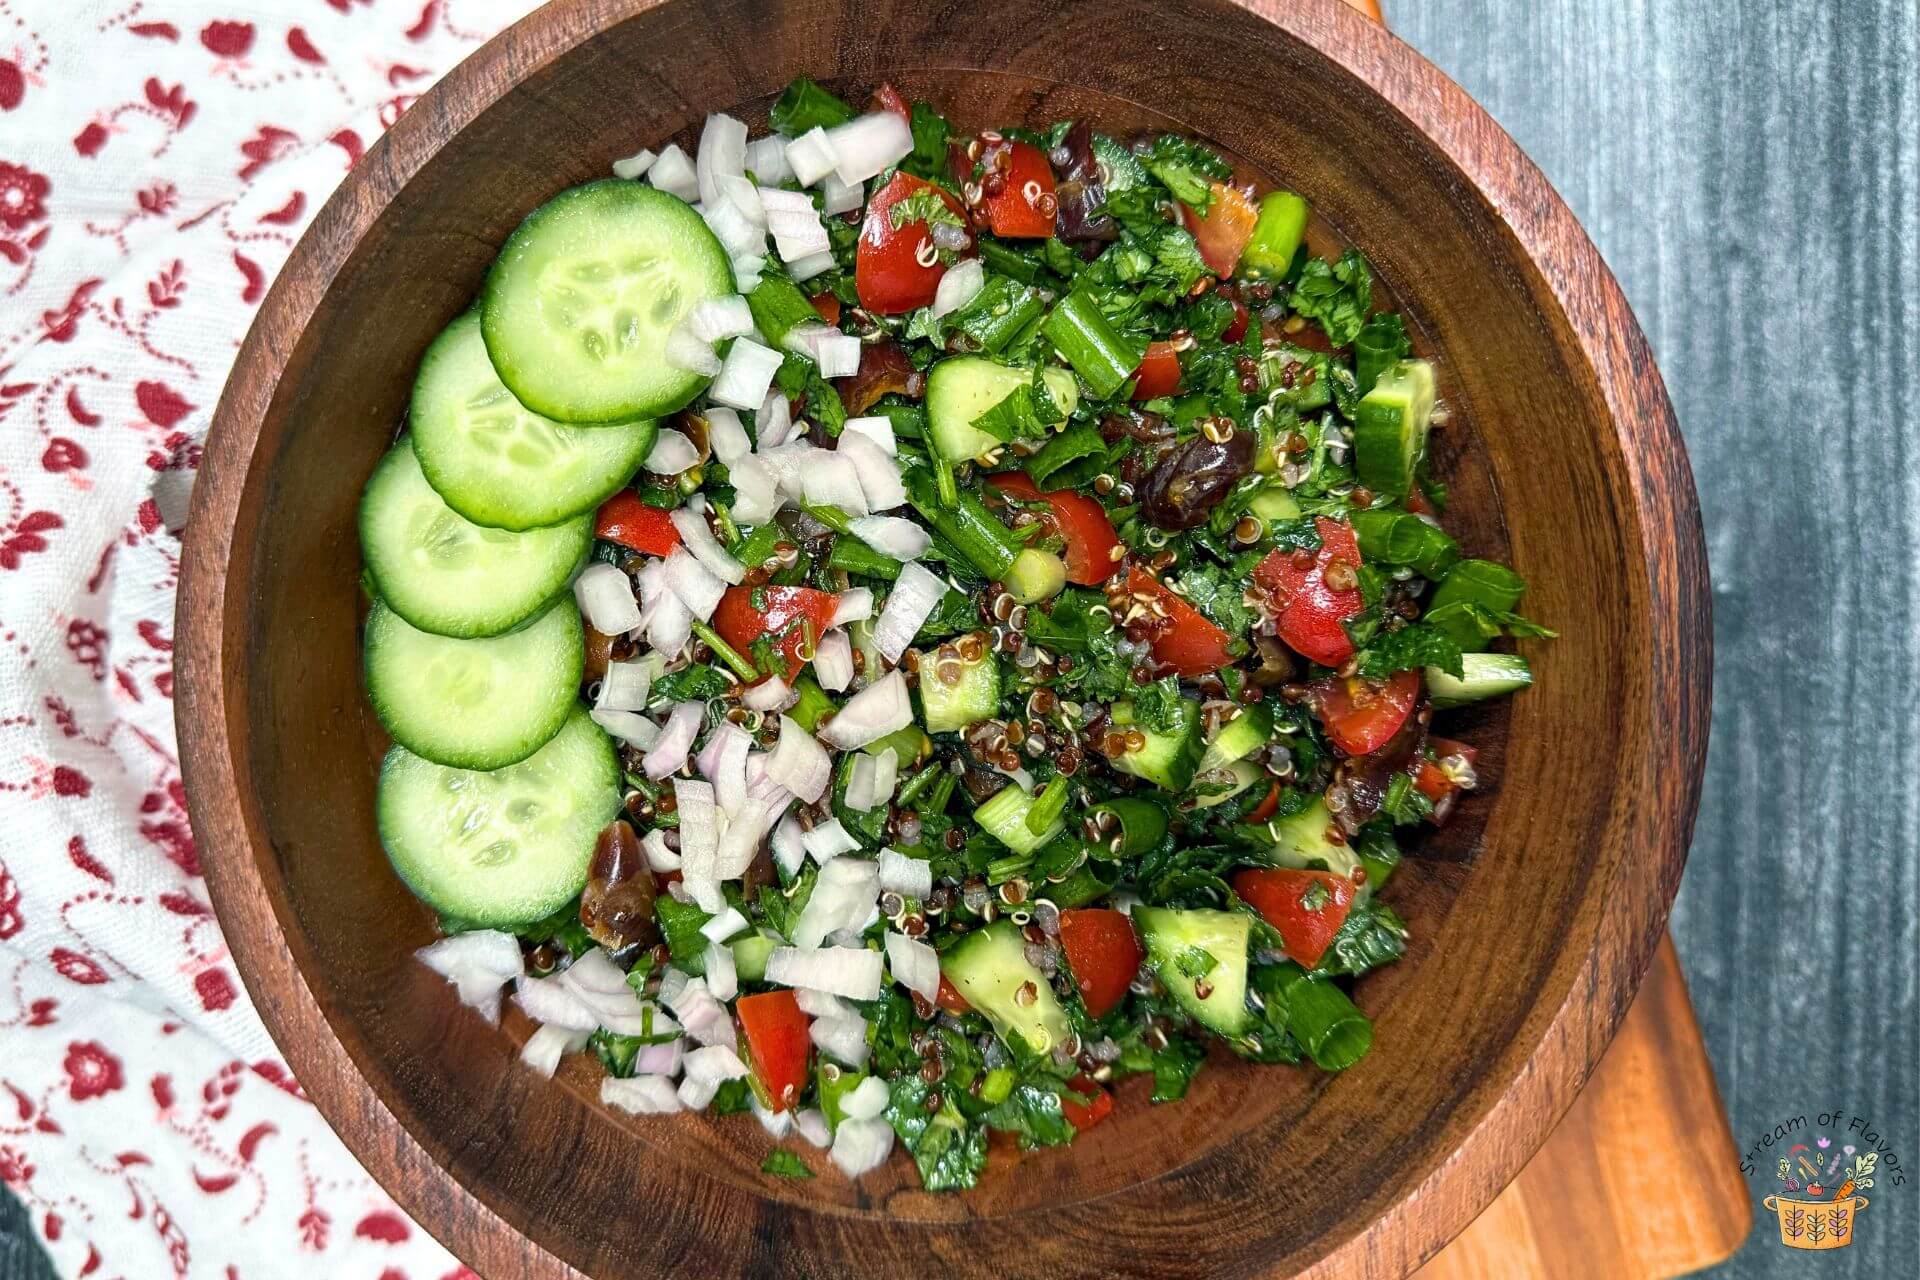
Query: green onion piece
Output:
(949,488)
(1333,1031)
(1047,806)
(1008,261)
(1084,339)
(814,704)
(757,547)
(943,788)
(988,545)
(850,555)
(1080,886)
(741,664)
(1142,825)
(832,517)
(1481,582)
(779,308)
(997,314)
(908,744)
(1400,537)
(1014,865)
(917,785)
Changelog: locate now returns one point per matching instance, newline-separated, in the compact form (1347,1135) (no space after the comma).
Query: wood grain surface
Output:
(1533,919)
(1751,173)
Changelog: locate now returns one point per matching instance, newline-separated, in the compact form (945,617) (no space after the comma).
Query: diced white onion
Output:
(886,772)
(805,269)
(962,281)
(860,1146)
(776,200)
(811,156)
(716,1063)
(625,685)
(727,435)
(691,521)
(863,146)
(659,856)
(840,197)
(798,235)
(865,1100)
(803,336)
(705,1018)
(724,926)
(915,965)
(907,876)
(833,661)
(741,841)
(635,165)
(552,1002)
(693,584)
(843,897)
(699,828)
(478,963)
(660,1059)
(837,354)
(744,196)
(723,976)
(790,464)
(818,1004)
(722,150)
(828,841)
(878,428)
(833,481)
(599,985)
(859,796)
(671,623)
(811,1124)
(892,536)
(726,317)
(544,1047)
(799,763)
(742,237)
(773,420)
(911,602)
(672,171)
(841,1038)
(879,472)
(771,694)
(876,710)
(628,726)
(855,604)
(777,1123)
(671,454)
(676,738)
(756,490)
(747,270)
(641,1095)
(843,971)
(745,375)
(788,848)
(687,350)
(696,1094)
(605,597)
(767,160)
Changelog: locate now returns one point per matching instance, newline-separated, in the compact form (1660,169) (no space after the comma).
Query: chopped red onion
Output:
(672,453)
(788,849)
(728,774)
(696,1094)
(770,694)
(799,763)
(634,166)
(863,146)
(828,841)
(715,318)
(878,709)
(912,601)
(878,470)
(773,420)
(605,597)
(723,926)
(855,604)
(833,661)
(915,965)
(959,285)
(544,1047)
(691,522)
(865,1100)
(842,971)
(745,375)
(740,842)
(860,1146)
(687,350)
(642,1095)
(877,428)
(672,172)
(811,156)
(626,685)
(777,201)
(661,1059)
(723,976)
(892,536)
(705,1018)
(699,828)
(676,738)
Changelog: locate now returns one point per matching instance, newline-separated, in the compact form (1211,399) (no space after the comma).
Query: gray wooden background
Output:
(1751,170)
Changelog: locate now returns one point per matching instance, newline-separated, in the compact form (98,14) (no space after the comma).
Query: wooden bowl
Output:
(1533,915)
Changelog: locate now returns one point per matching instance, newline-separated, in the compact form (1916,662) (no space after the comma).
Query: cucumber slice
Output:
(1063,387)
(577,308)
(1210,986)
(1390,429)
(971,695)
(474,704)
(960,389)
(989,967)
(1235,777)
(1277,233)
(1246,732)
(1165,759)
(504,847)
(1036,575)
(1304,841)
(1275,505)
(1487,675)
(750,956)
(495,461)
(1003,815)
(447,575)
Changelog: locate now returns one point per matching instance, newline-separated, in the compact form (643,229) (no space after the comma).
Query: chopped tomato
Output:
(785,615)
(1024,206)
(1084,1115)
(1224,229)
(1159,372)
(1184,640)
(895,268)
(950,999)
(1309,612)
(776,1031)
(1081,520)
(1431,779)
(884,369)
(632,523)
(1362,714)
(1268,807)
(887,98)
(1103,954)
(827,306)
(1237,327)
(1307,907)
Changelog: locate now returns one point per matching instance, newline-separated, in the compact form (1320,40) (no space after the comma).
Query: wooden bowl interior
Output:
(1500,904)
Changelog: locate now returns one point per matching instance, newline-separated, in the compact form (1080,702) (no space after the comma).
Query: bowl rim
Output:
(1501,1130)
